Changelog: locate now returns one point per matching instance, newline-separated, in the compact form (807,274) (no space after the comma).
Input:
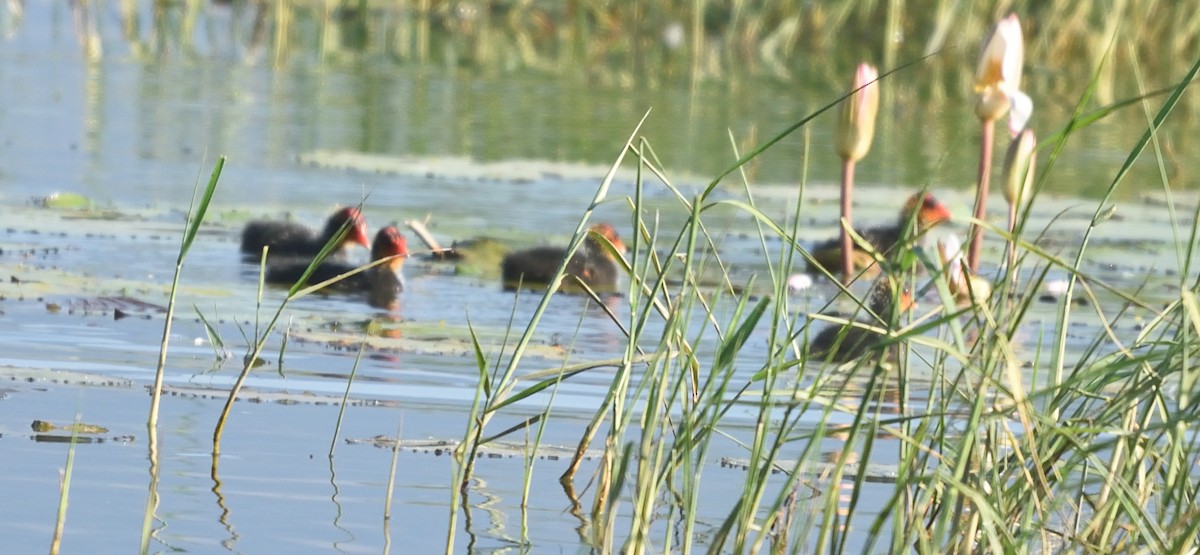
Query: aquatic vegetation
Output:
(997,92)
(989,430)
(1005,442)
(626,44)
(856,130)
(1019,164)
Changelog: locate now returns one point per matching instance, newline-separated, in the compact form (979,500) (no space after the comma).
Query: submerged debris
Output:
(491,450)
(121,306)
(76,432)
(75,427)
(64,377)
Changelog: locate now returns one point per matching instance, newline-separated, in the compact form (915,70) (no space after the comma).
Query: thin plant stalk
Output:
(60,519)
(297,290)
(391,483)
(847,204)
(191,229)
(189,236)
(469,447)
(530,458)
(1012,243)
(461,472)
(337,428)
(986,138)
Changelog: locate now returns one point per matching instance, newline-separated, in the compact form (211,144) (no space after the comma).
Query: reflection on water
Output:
(131,116)
(127,123)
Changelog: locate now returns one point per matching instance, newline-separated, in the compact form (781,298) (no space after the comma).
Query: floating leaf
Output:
(42,426)
(64,201)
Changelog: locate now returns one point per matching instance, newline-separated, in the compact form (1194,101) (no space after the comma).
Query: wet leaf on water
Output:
(42,426)
(64,201)
(478,257)
(81,428)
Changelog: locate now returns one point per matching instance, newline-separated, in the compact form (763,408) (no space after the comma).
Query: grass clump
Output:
(986,433)
(982,435)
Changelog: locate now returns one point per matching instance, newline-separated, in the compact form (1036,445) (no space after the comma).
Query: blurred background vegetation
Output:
(645,43)
(749,67)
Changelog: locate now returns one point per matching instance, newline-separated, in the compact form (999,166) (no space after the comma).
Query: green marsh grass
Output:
(60,519)
(1091,453)
(195,217)
(493,391)
(298,290)
(391,482)
(1088,451)
(955,447)
(337,427)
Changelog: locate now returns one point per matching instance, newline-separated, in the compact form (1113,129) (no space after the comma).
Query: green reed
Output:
(1092,453)
(262,335)
(1091,450)
(67,472)
(494,390)
(197,209)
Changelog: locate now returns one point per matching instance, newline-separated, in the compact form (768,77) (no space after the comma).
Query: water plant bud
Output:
(856,127)
(1018,167)
(950,252)
(965,287)
(799,282)
(1055,287)
(998,76)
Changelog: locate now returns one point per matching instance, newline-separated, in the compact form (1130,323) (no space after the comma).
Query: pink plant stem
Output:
(985,173)
(847,244)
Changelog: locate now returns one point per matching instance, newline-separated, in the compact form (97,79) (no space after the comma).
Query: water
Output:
(135,133)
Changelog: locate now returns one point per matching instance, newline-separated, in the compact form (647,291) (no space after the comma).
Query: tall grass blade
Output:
(195,219)
(214,336)
(60,519)
(337,427)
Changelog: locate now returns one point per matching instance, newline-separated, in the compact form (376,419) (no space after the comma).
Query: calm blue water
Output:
(136,131)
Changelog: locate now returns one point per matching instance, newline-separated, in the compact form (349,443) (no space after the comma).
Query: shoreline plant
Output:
(1091,453)
(1094,452)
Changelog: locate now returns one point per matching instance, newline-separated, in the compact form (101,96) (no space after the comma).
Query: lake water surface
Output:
(515,155)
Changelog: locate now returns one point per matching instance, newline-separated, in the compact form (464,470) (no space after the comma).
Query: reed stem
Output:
(987,134)
(846,219)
